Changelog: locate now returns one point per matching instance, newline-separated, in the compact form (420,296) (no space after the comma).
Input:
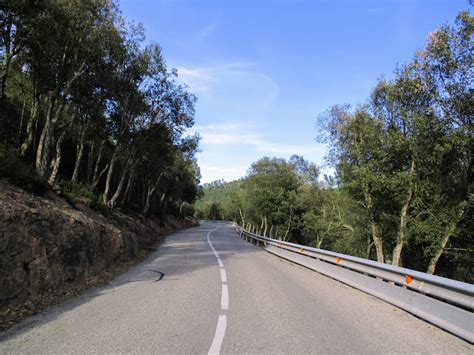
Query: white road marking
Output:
(214,251)
(222,321)
(225,297)
(219,336)
(223,276)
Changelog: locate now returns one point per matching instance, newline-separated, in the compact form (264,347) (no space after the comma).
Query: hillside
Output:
(221,195)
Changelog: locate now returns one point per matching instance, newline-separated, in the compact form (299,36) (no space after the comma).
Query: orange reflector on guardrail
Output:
(302,250)
(408,279)
(338,259)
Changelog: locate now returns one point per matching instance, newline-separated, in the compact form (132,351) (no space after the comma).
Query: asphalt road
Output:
(206,291)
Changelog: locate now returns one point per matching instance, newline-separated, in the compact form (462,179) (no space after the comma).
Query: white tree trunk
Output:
(397,250)
(449,232)
(26,145)
(108,179)
(80,152)
(57,160)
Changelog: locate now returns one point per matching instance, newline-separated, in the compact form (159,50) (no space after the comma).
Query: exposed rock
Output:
(50,251)
(30,305)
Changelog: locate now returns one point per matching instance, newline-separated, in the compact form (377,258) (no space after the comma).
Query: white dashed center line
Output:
(223,276)
(222,321)
(225,297)
(219,336)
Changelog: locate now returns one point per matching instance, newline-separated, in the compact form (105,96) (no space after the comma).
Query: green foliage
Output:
(77,190)
(406,156)
(269,195)
(98,206)
(222,197)
(403,188)
(188,210)
(215,211)
(8,122)
(22,175)
(92,109)
(286,200)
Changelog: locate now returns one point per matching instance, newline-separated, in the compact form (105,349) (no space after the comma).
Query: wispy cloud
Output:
(206,31)
(222,170)
(219,139)
(199,80)
(243,79)
(277,148)
(194,74)
(235,133)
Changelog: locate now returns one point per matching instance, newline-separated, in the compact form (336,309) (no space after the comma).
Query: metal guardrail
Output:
(446,303)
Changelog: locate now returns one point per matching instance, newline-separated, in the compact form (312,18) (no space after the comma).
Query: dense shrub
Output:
(22,175)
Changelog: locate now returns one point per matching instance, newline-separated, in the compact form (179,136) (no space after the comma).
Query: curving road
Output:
(206,291)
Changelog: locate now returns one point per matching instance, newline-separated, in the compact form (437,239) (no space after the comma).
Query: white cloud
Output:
(289,148)
(237,100)
(228,173)
(242,79)
(220,169)
(234,133)
(198,80)
(196,74)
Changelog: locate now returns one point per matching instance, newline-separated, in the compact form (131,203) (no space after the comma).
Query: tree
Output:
(406,155)
(87,87)
(357,149)
(269,195)
(446,66)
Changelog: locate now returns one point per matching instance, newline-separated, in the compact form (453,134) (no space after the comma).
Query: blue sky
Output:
(263,70)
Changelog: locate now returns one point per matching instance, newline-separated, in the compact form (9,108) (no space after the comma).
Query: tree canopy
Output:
(402,192)
(86,103)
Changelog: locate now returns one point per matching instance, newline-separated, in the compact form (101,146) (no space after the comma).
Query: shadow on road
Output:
(181,253)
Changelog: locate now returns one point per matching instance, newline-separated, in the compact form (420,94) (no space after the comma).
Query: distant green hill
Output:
(220,194)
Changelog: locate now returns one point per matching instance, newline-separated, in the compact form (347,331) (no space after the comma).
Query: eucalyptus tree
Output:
(404,111)
(356,151)
(85,78)
(169,110)
(269,197)
(125,108)
(447,68)
(406,155)
(324,221)
(155,155)
(306,171)
(73,40)
(178,183)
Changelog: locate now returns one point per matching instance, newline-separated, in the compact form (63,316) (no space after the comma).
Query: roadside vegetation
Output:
(89,110)
(402,192)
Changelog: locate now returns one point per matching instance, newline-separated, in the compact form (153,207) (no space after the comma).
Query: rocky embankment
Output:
(51,250)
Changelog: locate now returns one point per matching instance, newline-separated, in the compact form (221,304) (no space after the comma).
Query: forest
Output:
(90,111)
(402,189)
